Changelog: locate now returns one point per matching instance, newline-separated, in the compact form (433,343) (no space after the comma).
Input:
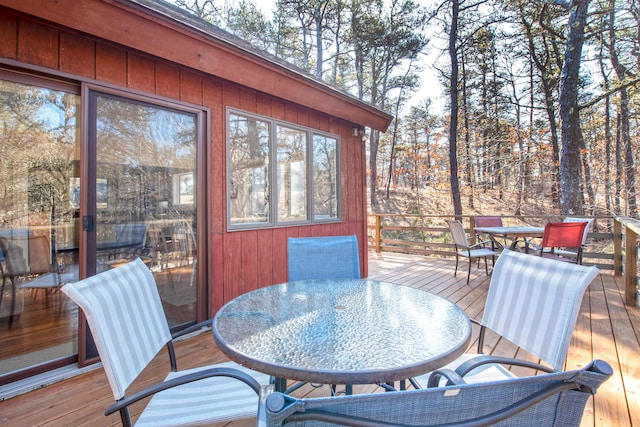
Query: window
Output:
(248,170)
(325,177)
(301,188)
(292,174)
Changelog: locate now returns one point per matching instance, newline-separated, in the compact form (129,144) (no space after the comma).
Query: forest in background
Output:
(541,104)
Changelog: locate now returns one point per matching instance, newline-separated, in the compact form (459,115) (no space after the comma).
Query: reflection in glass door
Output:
(38,223)
(145,204)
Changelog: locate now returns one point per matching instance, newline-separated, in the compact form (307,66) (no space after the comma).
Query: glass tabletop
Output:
(514,230)
(341,331)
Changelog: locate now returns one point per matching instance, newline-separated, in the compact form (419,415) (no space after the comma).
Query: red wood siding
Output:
(167,80)
(111,64)
(77,55)
(38,44)
(238,261)
(8,35)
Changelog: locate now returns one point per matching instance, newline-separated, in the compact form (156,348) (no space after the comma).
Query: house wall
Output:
(238,261)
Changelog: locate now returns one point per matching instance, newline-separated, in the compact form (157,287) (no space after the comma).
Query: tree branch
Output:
(561,3)
(610,92)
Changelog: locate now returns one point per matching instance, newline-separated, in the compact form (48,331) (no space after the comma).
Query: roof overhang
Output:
(164,31)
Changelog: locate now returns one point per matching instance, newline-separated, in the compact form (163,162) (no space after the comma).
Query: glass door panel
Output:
(145,204)
(39,212)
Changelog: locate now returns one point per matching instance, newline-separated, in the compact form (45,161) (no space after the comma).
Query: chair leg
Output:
(13,302)
(455,272)
(469,270)
(4,279)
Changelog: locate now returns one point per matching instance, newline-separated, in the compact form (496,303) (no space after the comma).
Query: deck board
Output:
(606,329)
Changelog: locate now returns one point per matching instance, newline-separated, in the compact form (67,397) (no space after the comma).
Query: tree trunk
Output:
(374,141)
(608,140)
(453,122)
(625,136)
(542,59)
(521,153)
(467,136)
(318,18)
(619,171)
(629,169)
(570,160)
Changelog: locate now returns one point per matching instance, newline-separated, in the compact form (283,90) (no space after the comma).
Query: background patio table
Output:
(514,233)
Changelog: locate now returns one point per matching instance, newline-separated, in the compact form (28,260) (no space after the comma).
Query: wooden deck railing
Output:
(611,245)
(626,231)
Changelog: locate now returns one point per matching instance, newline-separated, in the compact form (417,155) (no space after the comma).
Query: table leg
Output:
(280,384)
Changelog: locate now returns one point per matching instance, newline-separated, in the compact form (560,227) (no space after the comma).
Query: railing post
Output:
(377,241)
(630,266)
(472,228)
(617,247)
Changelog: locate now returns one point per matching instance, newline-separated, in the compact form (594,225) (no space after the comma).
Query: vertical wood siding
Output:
(239,261)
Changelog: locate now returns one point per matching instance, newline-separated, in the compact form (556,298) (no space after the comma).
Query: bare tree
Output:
(571,201)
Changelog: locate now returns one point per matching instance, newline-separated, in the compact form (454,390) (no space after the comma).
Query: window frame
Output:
(273,221)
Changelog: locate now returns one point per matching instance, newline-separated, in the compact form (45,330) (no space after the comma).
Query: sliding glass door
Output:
(39,128)
(75,202)
(145,195)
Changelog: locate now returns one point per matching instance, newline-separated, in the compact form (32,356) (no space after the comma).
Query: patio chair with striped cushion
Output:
(556,399)
(124,312)
(532,302)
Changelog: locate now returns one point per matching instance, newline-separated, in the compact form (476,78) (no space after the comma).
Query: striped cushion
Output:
(123,310)
(206,401)
(534,303)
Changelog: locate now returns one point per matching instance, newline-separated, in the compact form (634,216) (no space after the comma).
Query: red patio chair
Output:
(488,221)
(563,241)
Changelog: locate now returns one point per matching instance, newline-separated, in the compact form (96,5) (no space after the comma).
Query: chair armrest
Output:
(450,375)
(196,376)
(482,359)
(480,244)
(193,328)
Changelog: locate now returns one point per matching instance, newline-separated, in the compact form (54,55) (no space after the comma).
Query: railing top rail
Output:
(630,223)
(503,216)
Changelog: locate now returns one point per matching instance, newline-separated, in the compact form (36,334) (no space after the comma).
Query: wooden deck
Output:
(606,329)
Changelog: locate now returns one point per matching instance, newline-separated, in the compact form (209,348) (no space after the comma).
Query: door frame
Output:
(87,353)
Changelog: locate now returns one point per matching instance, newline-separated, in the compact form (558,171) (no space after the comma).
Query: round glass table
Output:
(341,331)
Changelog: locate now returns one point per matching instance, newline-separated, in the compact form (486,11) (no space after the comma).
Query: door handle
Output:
(87,223)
